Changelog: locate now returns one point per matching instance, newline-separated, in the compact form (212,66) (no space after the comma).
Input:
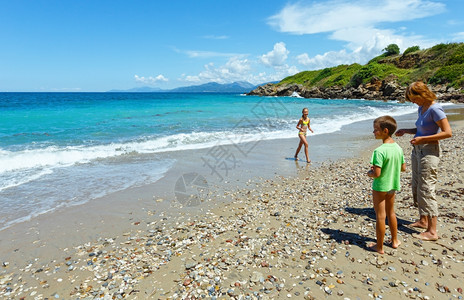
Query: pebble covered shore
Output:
(301,238)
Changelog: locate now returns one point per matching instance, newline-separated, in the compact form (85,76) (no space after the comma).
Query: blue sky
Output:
(102,45)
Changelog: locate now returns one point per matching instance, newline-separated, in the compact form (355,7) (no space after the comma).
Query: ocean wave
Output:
(295,95)
(54,156)
(11,179)
(53,191)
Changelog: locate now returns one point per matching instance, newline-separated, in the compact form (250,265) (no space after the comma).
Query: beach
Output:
(300,234)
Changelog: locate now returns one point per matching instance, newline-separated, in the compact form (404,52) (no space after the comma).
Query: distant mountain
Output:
(214,87)
(211,87)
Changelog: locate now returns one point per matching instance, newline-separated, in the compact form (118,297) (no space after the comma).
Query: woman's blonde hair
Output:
(420,89)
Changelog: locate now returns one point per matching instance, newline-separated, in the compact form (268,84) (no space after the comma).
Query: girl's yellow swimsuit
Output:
(305,124)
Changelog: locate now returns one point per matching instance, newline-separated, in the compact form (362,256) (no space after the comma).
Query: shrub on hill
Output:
(411,50)
(381,71)
(391,49)
(440,64)
(335,76)
(451,73)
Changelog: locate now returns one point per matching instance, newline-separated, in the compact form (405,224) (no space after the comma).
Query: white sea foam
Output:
(295,95)
(40,177)
(90,181)
(45,159)
(11,179)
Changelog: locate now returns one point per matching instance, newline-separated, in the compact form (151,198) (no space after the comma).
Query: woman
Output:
(303,126)
(431,126)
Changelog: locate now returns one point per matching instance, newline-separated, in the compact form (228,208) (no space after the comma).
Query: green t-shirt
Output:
(390,158)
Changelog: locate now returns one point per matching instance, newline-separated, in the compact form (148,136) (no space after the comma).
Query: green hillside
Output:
(440,64)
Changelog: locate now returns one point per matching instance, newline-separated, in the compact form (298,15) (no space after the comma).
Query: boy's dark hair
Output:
(386,122)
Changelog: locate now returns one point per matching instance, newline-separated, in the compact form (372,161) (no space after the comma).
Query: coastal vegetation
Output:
(440,64)
(383,77)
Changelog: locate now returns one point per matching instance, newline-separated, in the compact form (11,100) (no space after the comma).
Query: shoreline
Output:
(374,90)
(71,226)
(102,170)
(213,228)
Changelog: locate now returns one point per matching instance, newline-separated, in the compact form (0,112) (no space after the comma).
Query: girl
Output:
(303,126)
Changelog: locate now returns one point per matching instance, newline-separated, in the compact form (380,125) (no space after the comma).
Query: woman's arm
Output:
(401,132)
(443,134)
(298,125)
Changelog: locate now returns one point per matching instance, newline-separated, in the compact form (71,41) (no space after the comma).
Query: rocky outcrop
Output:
(408,61)
(374,90)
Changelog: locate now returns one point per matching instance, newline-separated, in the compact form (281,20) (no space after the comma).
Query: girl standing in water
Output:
(303,126)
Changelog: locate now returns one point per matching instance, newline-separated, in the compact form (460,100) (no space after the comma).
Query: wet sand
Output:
(68,227)
(297,235)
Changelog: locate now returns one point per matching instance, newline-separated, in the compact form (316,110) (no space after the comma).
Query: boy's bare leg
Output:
(379,207)
(392,221)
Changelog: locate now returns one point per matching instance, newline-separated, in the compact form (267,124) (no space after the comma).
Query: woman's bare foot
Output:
(296,157)
(426,236)
(373,247)
(418,224)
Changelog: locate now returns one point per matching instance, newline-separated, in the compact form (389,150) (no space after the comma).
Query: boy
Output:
(387,164)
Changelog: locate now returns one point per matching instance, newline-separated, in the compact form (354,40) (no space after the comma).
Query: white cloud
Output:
(458,36)
(277,74)
(238,66)
(361,51)
(239,69)
(282,72)
(354,22)
(325,60)
(277,56)
(150,79)
(234,70)
(275,59)
(454,22)
(336,15)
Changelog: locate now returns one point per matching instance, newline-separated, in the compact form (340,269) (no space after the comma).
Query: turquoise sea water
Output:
(61,149)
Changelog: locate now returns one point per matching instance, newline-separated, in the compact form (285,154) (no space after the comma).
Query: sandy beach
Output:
(301,237)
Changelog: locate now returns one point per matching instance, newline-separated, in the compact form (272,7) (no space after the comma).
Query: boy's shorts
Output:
(390,192)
